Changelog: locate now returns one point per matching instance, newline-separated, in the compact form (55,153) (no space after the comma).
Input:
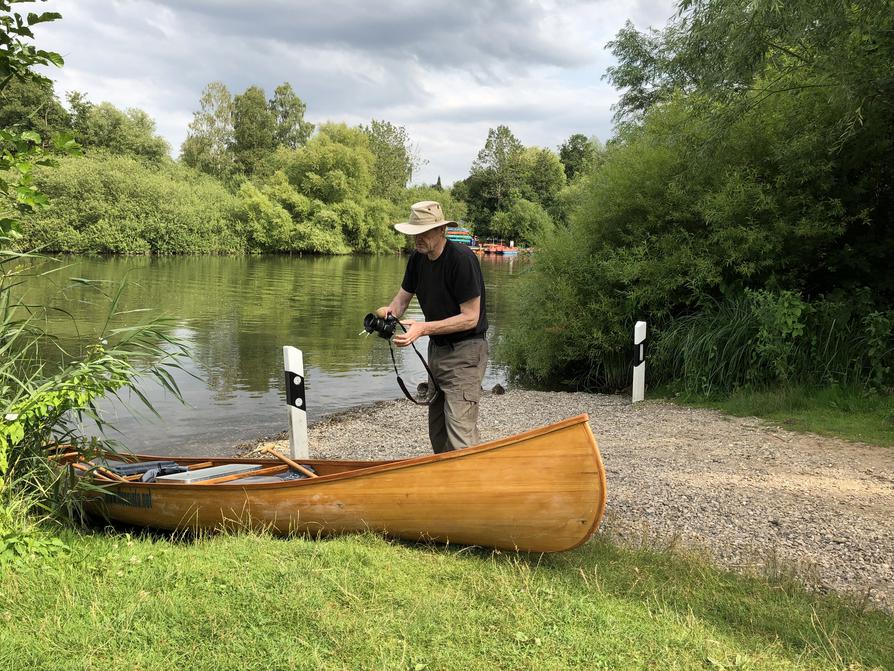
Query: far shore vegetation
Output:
(743,209)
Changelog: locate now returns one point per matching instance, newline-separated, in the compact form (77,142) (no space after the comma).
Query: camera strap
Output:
(400,382)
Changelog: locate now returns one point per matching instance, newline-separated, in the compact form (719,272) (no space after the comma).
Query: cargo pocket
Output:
(471,392)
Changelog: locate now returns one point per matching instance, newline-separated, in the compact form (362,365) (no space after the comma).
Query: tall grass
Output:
(48,387)
(761,339)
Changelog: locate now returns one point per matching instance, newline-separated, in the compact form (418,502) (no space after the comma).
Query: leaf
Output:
(42,17)
(52,57)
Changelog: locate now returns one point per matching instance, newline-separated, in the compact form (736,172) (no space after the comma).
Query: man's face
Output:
(427,242)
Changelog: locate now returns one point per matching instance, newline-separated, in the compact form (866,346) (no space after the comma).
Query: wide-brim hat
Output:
(424,216)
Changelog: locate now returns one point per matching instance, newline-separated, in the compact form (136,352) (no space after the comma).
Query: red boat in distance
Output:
(501,249)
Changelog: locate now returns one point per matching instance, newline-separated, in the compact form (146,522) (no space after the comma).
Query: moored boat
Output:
(539,491)
(460,234)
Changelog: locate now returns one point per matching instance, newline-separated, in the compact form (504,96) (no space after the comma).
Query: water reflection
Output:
(236,314)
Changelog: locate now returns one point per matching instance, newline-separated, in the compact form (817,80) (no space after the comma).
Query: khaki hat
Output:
(424,216)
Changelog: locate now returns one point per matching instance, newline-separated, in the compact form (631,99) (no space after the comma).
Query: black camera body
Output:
(384,326)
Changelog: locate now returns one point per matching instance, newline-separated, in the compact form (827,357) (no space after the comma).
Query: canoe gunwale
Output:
(372,468)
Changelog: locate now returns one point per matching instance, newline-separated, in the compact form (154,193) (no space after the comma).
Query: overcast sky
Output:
(446,71)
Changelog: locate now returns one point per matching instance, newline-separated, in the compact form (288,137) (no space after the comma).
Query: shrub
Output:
(121,205)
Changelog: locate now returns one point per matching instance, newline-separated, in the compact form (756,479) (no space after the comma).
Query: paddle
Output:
(298,467)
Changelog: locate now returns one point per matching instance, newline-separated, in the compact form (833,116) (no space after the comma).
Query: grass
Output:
(832,411)
(255,602)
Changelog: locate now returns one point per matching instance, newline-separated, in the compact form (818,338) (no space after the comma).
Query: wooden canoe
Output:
(539,491)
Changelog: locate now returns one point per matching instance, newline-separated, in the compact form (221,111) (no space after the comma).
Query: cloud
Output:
(446,71)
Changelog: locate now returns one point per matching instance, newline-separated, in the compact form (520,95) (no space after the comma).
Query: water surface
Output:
(235,315)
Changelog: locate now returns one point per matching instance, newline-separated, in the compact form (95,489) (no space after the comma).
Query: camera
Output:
(384,326)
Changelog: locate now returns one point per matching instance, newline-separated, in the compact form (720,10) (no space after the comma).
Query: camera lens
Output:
(375,324)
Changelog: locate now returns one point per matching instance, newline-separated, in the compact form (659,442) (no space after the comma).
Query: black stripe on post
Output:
(639,353)
(295,391)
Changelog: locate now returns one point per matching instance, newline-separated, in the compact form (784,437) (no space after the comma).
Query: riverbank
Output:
(753,496)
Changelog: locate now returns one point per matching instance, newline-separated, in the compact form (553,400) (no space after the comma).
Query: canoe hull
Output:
(541,491)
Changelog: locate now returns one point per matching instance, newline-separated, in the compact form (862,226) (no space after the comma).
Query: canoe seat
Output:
(209,473)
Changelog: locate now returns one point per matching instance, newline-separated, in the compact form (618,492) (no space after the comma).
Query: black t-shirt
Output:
(441,285)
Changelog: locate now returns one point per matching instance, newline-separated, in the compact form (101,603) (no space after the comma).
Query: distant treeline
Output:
(253,176)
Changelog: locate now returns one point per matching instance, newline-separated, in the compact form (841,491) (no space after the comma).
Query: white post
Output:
(294,368)
(639,361)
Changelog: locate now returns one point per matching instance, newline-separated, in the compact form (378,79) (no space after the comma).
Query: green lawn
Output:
(254,602)
(833,411)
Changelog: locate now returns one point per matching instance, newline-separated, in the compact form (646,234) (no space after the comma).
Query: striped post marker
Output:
(639,361)
(295,399)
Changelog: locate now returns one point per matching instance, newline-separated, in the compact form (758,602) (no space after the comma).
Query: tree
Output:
(524,221)
(498,166)
(291,130)
(104,126)
(335,165)
(542,176)
(253,129)
(578,154)
(21,150)
(395,158)
(32,105)
(209,141)
(746,206)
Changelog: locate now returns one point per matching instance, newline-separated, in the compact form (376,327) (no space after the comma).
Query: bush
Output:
(665,232)
(106,204)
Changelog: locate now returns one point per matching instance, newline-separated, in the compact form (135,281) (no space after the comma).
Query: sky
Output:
(447,72)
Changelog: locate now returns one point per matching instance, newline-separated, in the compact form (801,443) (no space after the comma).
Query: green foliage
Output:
(736,208)
(523,222)
(44,400)
(394,158)
(254,125)
(290,128)
(504,173)
(265,223)
(106,127)
(17,56)
(32,105)
(496,171)
(16,546)
(334,166)
(579,155)
(763,338)
(119,205)
(542,176)
(209,141)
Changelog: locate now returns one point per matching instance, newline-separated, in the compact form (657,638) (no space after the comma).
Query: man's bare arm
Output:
(470,312)
(398,304)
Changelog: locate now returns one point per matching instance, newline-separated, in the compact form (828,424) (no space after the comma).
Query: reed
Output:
(49,386)
(762,340)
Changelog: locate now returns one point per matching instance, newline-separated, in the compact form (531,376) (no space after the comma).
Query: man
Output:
(446,278)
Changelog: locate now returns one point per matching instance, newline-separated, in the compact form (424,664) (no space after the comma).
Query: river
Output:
(235,315)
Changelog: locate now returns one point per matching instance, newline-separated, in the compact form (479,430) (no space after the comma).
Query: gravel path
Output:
(753,495)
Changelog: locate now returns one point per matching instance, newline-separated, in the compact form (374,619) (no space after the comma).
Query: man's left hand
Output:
(415,330)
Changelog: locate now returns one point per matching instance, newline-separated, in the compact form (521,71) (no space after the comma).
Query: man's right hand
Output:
(383,311)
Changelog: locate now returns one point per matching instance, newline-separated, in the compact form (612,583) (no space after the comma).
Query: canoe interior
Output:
(322,467)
